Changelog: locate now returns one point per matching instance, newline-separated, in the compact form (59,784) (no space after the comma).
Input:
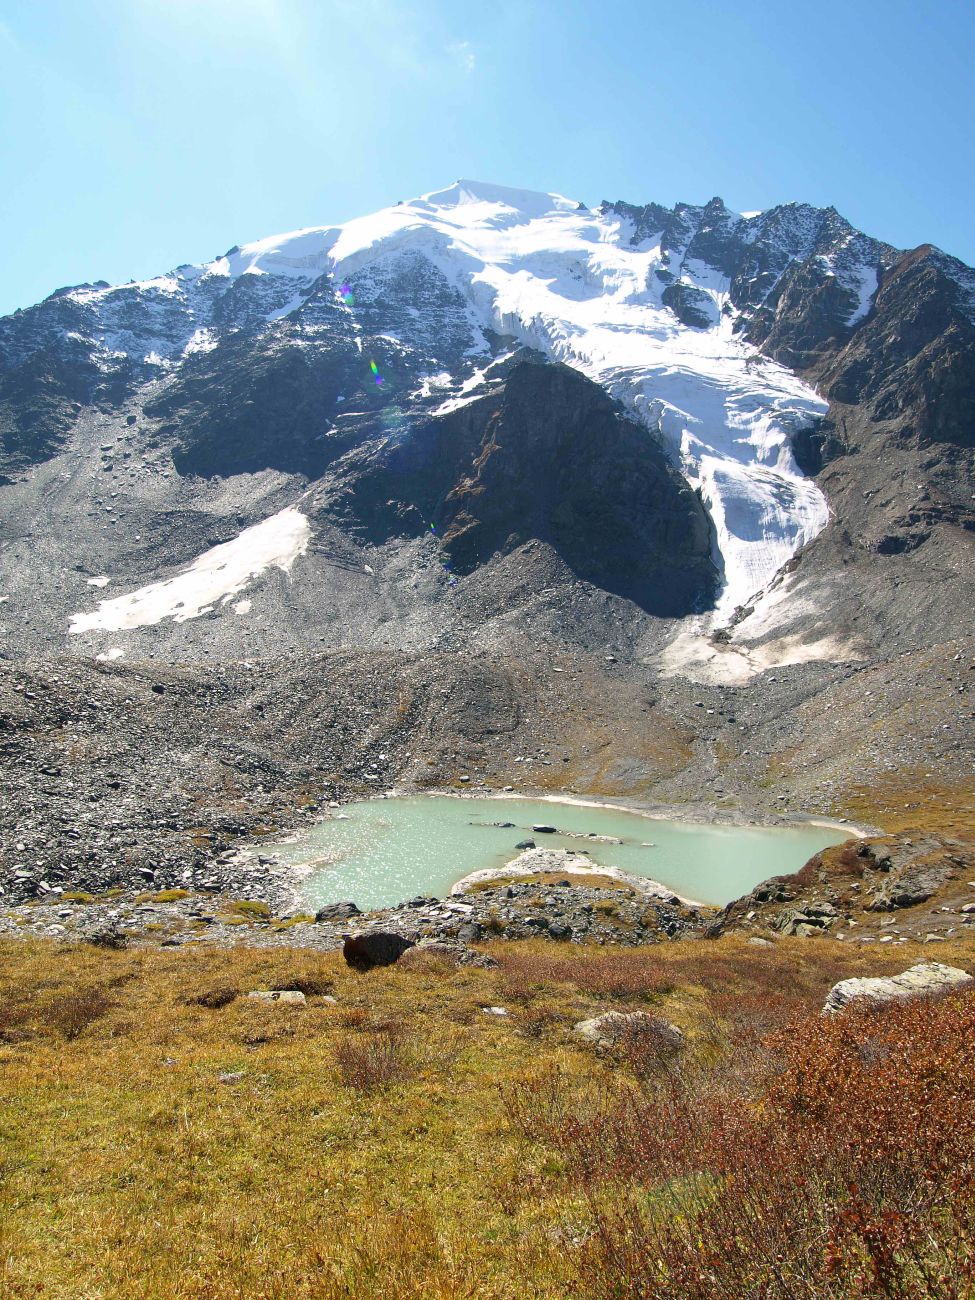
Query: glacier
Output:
(575,283)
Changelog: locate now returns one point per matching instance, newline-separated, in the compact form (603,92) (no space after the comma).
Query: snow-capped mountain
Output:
(305,371)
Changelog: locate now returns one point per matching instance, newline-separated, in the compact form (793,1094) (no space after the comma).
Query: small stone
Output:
(495,1011)
(230,1077)
(278,995)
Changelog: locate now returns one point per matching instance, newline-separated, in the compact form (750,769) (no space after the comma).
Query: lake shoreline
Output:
(310,861)
(704,813)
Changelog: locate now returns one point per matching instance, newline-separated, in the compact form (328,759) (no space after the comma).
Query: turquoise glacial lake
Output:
(385,851)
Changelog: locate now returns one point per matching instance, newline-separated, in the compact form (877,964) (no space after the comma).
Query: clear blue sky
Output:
(138,134)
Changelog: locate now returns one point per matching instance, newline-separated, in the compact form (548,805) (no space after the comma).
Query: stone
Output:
(495,1011)
(375,948)
(337,912)
(756,942)
(542,829)
(278,995)
(921,980)
(525,844)
(612,1027)
(448,949)
(915,884)
(231,1077)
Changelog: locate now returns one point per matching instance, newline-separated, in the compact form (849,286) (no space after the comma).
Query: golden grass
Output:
(913,801)
(129,1170)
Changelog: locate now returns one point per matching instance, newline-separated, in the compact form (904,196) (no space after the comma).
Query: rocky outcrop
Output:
(545,456)
(924,980)
(851,890)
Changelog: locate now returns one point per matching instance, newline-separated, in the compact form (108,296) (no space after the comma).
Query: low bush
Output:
(850,1174)
(70,1014)
(370,1062)
(311,985)
(215,998)
(634,974)
(249,908)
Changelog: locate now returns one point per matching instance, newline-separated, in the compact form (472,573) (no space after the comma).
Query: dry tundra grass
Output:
(400,1142)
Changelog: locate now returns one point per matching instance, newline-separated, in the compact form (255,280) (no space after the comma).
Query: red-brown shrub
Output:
(614,974)
(851,1174)
(371,1061)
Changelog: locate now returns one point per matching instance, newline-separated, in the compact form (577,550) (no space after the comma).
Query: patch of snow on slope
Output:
(217,574)
(865,289)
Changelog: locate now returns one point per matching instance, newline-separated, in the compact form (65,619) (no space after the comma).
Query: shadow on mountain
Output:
(547,456)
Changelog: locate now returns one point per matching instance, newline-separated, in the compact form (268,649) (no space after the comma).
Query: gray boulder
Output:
(337,912)
(278,995)
(916,884)
(449,950)
(614,1027)
(928,977)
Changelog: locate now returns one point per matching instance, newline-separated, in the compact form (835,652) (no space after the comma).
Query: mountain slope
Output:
(146,426)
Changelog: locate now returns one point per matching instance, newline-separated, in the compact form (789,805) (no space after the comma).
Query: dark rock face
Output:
(557,462)
(379,948)
(560,463)
(545,456)
(254,403)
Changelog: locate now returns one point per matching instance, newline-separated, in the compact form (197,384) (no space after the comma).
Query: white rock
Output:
(925,978)
(278,995)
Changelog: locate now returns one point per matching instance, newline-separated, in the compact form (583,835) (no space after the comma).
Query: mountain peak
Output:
(529,202)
